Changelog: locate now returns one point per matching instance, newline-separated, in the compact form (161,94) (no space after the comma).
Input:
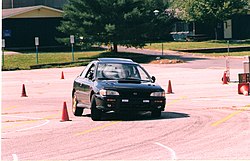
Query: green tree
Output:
(116,22)
(209,11)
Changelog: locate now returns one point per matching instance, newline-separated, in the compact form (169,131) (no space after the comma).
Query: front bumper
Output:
(117,104)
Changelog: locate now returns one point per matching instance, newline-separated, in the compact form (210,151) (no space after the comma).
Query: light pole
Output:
(3,46)
(228,62)
(36,44)
(72,41)
(156,12)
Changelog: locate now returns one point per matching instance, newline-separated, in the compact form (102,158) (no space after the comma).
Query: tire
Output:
(156,114)
(76,110)
(96,114)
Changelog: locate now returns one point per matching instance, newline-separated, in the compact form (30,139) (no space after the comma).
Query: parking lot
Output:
(204,119)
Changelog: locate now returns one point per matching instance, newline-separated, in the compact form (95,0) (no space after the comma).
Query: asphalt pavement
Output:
(204,119)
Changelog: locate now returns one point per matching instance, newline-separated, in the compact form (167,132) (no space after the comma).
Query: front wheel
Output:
(76,110)
(96,114)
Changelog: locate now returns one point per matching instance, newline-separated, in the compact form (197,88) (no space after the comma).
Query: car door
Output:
(85,85)
(78,82)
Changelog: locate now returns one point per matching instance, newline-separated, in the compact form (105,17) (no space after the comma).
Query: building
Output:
(6,4)
(237,28)
(21,25)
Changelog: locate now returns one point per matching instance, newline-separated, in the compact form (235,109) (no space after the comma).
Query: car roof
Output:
(116,60)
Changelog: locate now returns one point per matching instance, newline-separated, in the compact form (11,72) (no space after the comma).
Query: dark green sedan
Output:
(118,85)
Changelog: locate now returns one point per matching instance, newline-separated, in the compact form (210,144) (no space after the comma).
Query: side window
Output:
(142,74)
(90,73)
(135,73)
(84,72)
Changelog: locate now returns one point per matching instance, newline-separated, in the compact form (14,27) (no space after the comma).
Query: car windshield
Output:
(115,71)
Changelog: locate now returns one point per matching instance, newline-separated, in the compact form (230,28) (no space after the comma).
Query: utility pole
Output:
(3,46)
(72,41)
(36,44)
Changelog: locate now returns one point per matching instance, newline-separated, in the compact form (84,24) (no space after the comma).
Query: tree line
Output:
(132,23)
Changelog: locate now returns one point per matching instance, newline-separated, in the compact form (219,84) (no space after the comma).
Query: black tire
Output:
(156,114)
(77,111)
(96,114)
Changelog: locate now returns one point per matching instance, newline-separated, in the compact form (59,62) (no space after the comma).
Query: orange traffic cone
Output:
(65,116)
(62,76)
(243,89)
(224,79)
(24,92)
(169,87)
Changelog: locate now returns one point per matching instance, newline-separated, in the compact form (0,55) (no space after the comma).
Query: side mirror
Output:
(153,79)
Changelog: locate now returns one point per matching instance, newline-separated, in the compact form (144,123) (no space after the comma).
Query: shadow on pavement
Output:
(144,116)
(147,57)
(174,115)
(166,55)
(184,57)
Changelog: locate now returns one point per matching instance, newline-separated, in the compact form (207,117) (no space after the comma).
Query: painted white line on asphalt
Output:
(46,121)
(173,155)
(14,157)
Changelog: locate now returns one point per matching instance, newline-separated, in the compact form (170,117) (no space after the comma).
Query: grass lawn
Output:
(194,45)
(242,53)
(24,61)
(45,59)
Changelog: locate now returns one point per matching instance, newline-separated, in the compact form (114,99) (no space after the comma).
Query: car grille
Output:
(134,94)
(134,100)
(135,103)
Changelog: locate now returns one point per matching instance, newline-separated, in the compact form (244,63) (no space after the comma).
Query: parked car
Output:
(119,85)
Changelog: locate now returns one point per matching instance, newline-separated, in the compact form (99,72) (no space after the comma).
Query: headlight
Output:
(104,92)
(158,94)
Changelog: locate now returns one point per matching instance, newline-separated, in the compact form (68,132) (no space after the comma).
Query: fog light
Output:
(158,101)
(124,100)
(111,100)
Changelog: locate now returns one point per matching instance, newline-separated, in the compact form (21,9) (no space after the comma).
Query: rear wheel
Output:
(77,111)
(156,114)
(96,114)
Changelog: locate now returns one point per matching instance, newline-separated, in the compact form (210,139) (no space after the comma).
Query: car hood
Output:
(115,84)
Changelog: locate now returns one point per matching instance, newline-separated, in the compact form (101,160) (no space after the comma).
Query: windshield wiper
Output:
(105,79)
(135,79)
(145,80)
